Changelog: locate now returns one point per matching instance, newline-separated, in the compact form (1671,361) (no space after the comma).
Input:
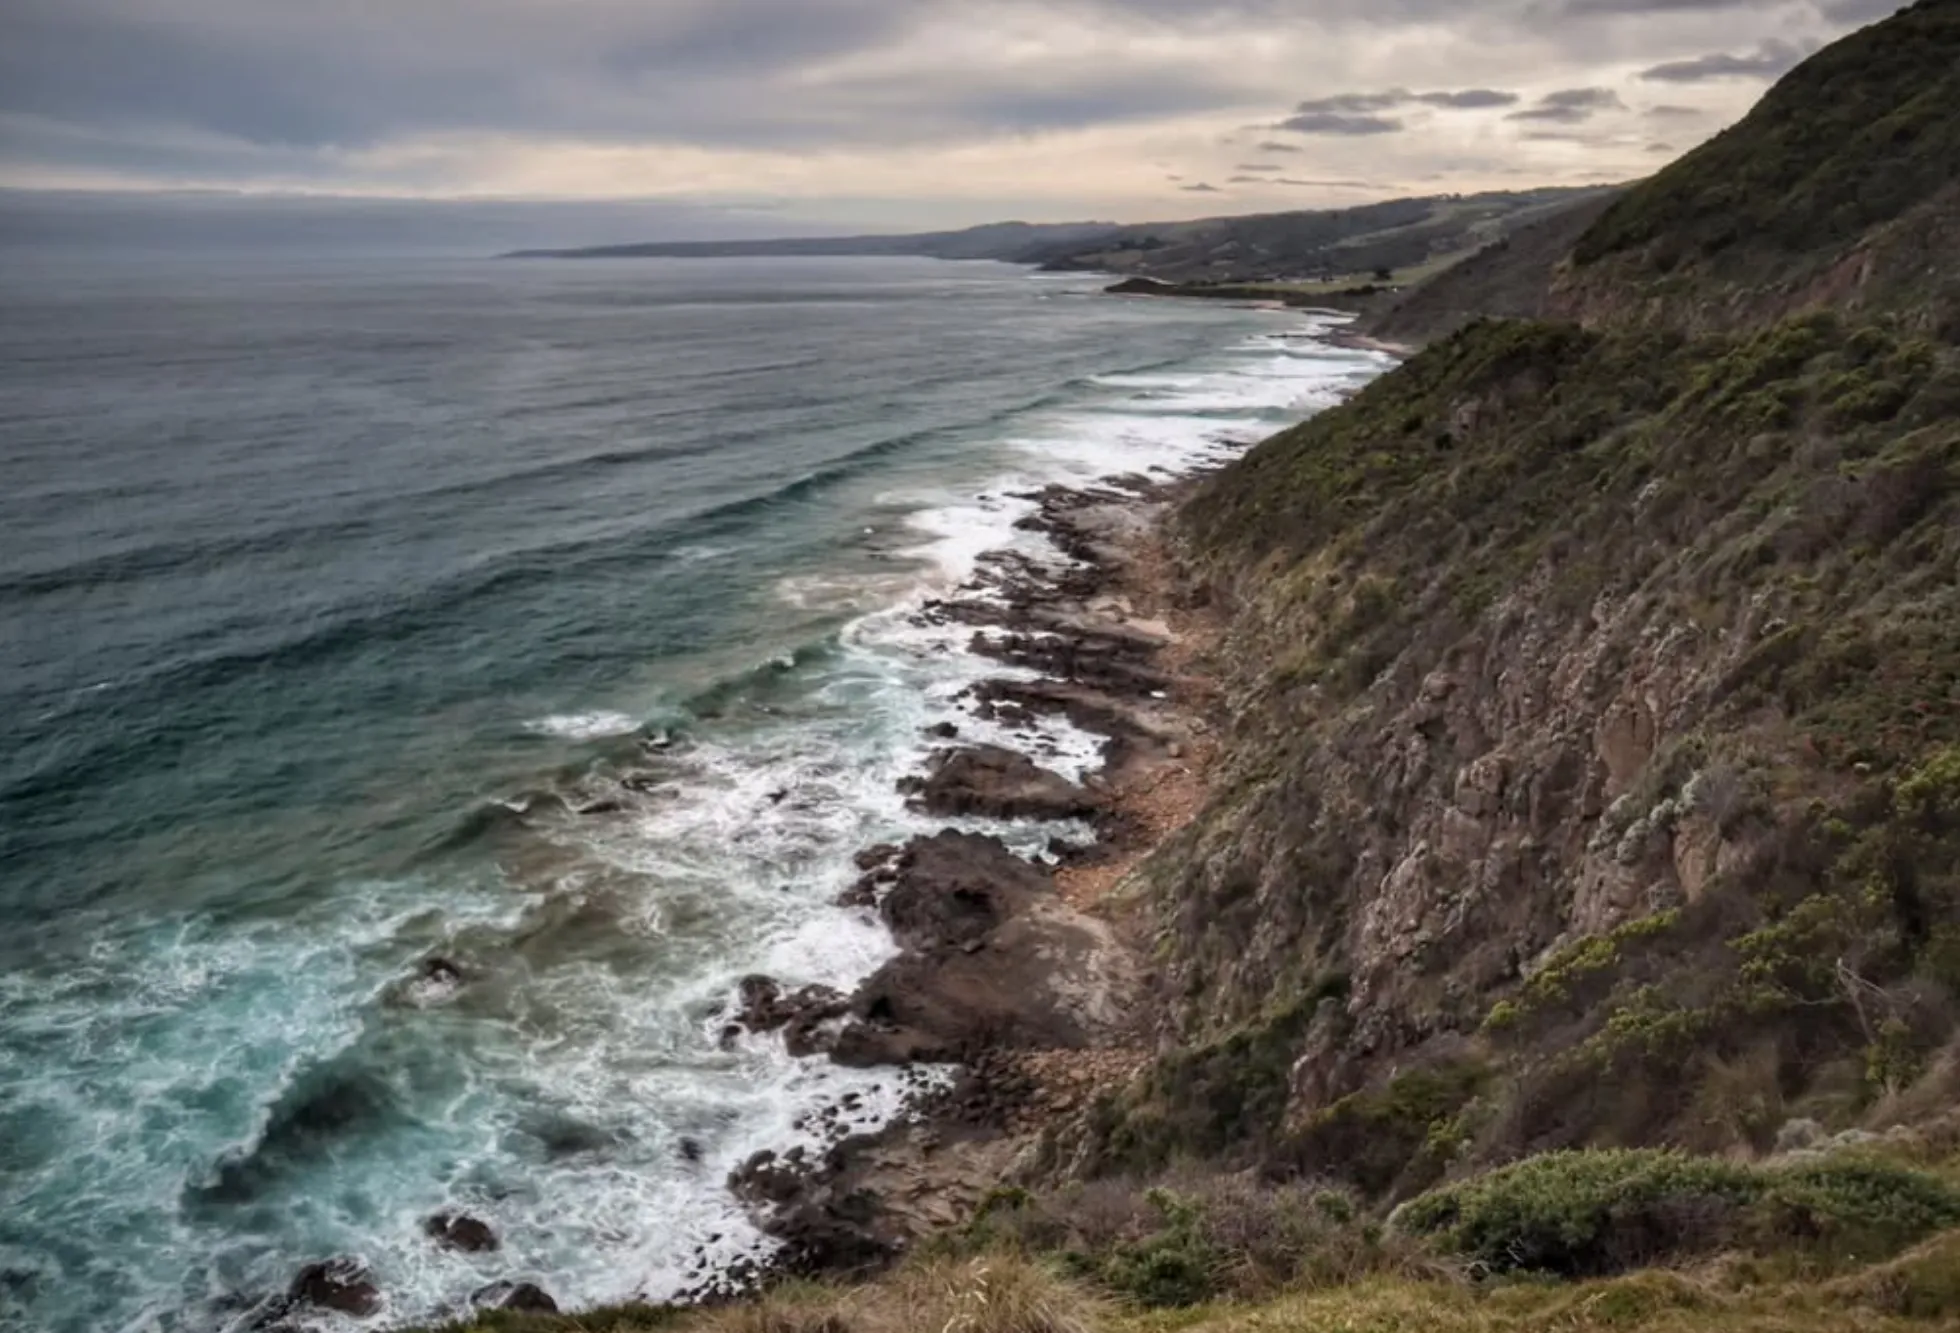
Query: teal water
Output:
(549,618)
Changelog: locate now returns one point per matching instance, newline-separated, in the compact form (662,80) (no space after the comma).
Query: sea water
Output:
(553,619)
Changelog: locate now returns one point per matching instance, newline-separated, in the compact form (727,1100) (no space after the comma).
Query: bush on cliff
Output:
(1194,1238)
(1579,1214)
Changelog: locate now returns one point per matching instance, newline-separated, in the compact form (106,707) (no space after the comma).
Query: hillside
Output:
(1568,934)
(1594,772)
(1840,188)
(1399,233)
(1510,278)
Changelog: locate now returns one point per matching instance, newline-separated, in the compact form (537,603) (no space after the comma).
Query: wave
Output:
(585,726)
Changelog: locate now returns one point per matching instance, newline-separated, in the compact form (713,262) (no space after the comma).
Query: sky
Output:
(888,113)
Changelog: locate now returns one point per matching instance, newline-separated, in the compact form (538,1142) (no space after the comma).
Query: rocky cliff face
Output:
(1594,701)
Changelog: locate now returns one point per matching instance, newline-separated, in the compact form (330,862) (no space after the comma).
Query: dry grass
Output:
(993,1294)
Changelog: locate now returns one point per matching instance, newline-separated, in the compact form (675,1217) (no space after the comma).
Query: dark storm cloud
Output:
(1570,106)
(1332,184)
(1770,60)
(1861,11)
(697,71)
(243,90)
(1362,103)
(1614,7)
(1328,122)
(1470,99)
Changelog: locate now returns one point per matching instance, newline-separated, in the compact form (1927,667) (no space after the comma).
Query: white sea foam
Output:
(585,726)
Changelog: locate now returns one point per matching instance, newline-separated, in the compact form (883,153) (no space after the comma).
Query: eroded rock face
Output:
(1493,796)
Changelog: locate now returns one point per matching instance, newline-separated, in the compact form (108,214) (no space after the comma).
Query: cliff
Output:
(1594,767)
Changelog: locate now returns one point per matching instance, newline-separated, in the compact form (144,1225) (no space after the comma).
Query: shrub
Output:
(1579,1214)
(1851,1209)
(1176,1265)
(1584,1213)
(1373,1139)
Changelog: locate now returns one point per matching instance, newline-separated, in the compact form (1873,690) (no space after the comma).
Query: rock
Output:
(996,783)
(1798,1134)
(341,1284)
(877,855)
(953,887)
(801,1015)
(441,971)
(827,1225)
(944,731)
(527,1297)
(460,1231)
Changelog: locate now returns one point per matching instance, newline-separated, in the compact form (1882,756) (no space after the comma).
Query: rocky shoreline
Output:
(1019,989)
(1023,975)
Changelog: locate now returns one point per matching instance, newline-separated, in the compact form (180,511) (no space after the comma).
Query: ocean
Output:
(550,619)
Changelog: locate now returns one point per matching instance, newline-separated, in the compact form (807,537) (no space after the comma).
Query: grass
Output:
(1917,1291)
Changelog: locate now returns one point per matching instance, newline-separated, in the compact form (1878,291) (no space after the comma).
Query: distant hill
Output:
(1399,233)
(1396,234)
(1512,278)
(1015,242)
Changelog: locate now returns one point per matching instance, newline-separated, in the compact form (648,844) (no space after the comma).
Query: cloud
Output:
(1465,99)
(1571,106)
(1668,111)
(1055,108)
(1770,60)
(1861,11)
(1649,7)
(1202,187)
(1258,166)
(1333,184)
(1327,122)
(1659,148)
(1470,99)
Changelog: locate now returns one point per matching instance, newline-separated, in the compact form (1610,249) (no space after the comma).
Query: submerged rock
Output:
(341,1284)
(801,1015)
(527,1297)
(460,1231)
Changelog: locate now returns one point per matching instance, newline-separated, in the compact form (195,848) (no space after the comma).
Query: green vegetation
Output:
(1858,135)
(1564,1241)
(1581,1214)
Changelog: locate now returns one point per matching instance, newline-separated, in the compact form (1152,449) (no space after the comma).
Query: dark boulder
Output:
(995,783)
(801,1015)
(953,888)
(460,1231)
(526,1297)
(341,1284)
